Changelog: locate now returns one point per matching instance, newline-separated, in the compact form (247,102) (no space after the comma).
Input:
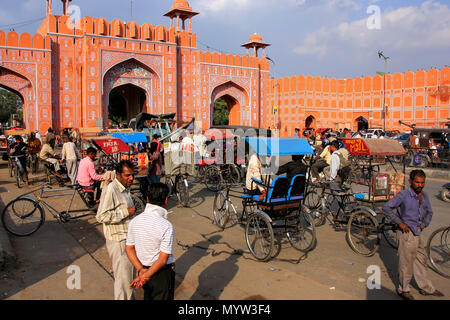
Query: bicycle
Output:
(217,177)
(178,184)
(25,215)
(438,251)
(18,170)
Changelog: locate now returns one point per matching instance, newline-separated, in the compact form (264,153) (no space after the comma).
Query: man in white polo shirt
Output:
(149,247)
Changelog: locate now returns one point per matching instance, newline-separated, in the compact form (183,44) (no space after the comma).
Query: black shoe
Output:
(406,295)
(436,293)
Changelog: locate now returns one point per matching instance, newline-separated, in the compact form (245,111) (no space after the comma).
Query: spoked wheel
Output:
(168,183)
(362,233)
(182,188)
(303,237)
(259,236)
(11,168)
(314,203)
(221,209)
(18,175)
(22,217)
(438,251)
(138,203)
(213,179)
(390,234)
(231,174)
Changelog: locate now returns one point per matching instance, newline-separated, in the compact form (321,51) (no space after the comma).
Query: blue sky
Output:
(312,37)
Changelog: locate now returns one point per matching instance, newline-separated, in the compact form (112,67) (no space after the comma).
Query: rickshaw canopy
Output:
(131,137)
(280,146)
(374,147)
(111,145)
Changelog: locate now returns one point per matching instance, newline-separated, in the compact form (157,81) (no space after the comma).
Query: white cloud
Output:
(402,29)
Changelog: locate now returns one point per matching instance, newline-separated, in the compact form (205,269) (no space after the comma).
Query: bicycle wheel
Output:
(213,179)
(168,183)
(11,168)
(18,175)
(138,203)
(303,237)
(22,217)
(259,236)
(182,188)
(362,233)
(221,209)
(231,174)
(438,251)
(314,202)
(390,234)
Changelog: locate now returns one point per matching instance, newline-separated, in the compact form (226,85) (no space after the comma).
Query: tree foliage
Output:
(221,113)
(10,103)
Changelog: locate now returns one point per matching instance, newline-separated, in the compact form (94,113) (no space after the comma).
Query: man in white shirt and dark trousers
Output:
(149,247)
(71,155)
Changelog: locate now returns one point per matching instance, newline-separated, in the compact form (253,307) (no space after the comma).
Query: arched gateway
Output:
(236,99)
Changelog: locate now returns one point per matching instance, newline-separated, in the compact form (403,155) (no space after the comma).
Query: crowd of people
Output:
(140,246)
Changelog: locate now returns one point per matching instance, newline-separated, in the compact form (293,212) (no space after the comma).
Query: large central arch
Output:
(131,73)
(236,98)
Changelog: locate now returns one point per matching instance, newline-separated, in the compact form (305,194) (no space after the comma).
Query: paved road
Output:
(211,264)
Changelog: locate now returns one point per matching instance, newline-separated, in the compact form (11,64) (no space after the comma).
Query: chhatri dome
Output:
(181,5)
(181,11)
(255,42)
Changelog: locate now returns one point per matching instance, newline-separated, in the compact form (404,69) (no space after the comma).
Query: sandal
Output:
(406,295)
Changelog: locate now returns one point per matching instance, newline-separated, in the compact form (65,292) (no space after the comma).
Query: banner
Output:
(112,145)
(140,160)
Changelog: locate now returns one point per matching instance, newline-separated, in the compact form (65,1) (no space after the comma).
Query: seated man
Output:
(337,164)
(87,176)
(320,162)
(293,168)
(254,171)
(48,155)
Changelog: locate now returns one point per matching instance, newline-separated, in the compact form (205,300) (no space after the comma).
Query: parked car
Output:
(371,132)
(403,138)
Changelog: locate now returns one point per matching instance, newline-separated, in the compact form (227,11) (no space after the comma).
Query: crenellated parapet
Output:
(233,60)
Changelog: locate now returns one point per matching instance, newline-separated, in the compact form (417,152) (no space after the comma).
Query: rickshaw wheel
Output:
(259,236)
(313,202)
(389,233)
(213,179)
(303,237)
(362,233)
(182,191)
(221,209)
(138,203)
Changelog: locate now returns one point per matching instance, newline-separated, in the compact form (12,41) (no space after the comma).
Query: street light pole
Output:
(275,98)
(381,55)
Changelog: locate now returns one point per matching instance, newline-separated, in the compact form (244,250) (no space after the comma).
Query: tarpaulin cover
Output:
(374,147)
(280,146)
(131,137)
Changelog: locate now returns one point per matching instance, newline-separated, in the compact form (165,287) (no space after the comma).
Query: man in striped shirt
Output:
(115,211)
(150,247)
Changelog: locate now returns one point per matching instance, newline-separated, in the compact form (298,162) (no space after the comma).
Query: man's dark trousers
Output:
(161,286)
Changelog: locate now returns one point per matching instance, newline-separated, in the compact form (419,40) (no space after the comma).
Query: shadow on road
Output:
(214,279)
(47,253)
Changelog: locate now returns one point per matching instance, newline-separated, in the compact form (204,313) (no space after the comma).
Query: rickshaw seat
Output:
(297,188)
(278,190)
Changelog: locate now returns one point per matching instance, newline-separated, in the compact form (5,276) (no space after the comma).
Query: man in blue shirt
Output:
(413,215)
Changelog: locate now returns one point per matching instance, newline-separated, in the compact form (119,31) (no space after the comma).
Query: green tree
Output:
(220,113)
(10,103)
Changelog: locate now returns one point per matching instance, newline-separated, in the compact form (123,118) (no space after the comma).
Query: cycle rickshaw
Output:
(282,210)
(360,212)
